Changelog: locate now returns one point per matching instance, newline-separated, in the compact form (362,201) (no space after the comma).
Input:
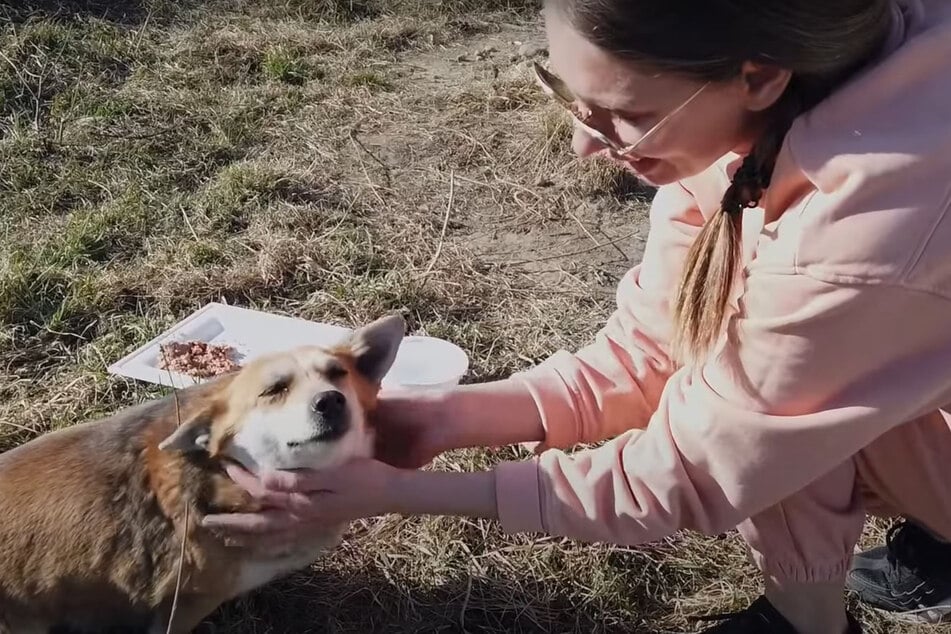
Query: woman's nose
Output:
(583,144)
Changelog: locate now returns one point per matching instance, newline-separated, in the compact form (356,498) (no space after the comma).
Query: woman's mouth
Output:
(646,169)
(643,168)
(642,165)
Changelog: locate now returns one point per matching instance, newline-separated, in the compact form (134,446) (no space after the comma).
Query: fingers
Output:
(288,481)
(253,523)
(279,489)
(284,481)
(244,479)
(268,544)
(297,481)
(310,480)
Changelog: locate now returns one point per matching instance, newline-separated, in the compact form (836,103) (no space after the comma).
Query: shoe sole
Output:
(921,616)
(938,612)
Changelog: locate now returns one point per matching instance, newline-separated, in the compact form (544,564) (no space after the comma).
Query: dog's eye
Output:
(334,372)
(277,388)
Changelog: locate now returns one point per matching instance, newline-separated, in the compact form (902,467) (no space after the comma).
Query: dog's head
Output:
(302,408)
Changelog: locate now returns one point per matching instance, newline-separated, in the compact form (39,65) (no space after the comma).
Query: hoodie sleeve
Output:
(614,384)
(811,372)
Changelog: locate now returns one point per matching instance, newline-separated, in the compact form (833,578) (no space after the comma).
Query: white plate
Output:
(420,362)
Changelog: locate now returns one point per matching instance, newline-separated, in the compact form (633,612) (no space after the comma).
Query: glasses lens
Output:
(554,87)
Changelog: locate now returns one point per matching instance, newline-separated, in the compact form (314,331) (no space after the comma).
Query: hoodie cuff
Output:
(555,404)
(519,496)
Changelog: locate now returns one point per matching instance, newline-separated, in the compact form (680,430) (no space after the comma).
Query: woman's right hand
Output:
(413,427)
(410,428)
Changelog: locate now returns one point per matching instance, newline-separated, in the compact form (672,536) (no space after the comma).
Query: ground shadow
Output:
(119,11)
(367,601)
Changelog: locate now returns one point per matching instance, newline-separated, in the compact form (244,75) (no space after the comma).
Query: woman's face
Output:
(624,102)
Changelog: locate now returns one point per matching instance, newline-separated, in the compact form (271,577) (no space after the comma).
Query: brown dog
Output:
(92,517)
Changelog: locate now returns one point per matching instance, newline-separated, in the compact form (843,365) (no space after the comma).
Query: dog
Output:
(93,517)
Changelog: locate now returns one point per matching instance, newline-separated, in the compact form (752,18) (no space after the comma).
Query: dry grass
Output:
(297,157)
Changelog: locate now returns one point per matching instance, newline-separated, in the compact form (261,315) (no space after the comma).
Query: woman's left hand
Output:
(297,501)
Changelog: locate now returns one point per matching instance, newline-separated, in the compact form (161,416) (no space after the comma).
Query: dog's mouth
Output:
(323,435)
(328,425)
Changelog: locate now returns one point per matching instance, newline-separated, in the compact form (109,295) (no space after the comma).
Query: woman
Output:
(779,360)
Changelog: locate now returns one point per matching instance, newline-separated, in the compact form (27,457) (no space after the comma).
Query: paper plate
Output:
(420,361)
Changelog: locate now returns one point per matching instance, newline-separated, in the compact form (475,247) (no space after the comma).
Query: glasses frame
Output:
(555,88)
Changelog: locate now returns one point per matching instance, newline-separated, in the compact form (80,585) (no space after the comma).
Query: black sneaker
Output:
(760,618)
(909,577)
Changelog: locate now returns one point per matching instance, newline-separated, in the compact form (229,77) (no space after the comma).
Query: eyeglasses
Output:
(553,86)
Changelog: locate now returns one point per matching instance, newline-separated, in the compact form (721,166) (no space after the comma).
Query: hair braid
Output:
(710,269)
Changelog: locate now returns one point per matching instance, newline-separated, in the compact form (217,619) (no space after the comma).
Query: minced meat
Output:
(198,359)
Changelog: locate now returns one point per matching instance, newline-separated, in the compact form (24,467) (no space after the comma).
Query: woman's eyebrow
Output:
(625,107)
(630,115)
(622,109)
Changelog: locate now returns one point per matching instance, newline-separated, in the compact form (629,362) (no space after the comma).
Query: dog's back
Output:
(94,477)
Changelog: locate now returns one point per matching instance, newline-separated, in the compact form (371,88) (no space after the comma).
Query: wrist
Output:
(444,412)
(467,494)
(440,410)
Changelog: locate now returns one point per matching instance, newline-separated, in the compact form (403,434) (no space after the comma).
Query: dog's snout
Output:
(330,419)
(330,404)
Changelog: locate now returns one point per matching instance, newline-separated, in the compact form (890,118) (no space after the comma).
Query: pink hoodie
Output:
(841,328)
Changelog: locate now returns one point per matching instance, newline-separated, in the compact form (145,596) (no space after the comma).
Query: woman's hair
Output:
(822,42)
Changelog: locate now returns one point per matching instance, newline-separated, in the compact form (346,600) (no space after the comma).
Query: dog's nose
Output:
(330,404)
(331,419)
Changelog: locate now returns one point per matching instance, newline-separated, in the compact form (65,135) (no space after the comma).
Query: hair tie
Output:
(745,190)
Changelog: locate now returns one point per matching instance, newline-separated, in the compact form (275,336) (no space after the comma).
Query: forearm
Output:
(493,415)
(483,415)
(445,493)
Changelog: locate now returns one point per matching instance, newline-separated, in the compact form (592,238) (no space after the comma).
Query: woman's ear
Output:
(763,85)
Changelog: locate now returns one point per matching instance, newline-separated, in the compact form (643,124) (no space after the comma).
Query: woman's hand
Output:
(411,428)
(301,500)
(304,501)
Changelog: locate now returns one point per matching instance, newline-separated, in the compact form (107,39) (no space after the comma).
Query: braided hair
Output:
(710,268)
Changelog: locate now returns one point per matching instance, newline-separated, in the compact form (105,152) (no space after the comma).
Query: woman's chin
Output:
(652,172)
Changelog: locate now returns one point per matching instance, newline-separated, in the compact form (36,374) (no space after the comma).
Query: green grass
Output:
(283,66)
(298,157)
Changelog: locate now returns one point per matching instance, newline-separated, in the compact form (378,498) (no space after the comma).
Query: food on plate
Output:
(197,359)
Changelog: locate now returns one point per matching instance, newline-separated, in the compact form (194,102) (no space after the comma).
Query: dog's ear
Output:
(193,435)
(375,345)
